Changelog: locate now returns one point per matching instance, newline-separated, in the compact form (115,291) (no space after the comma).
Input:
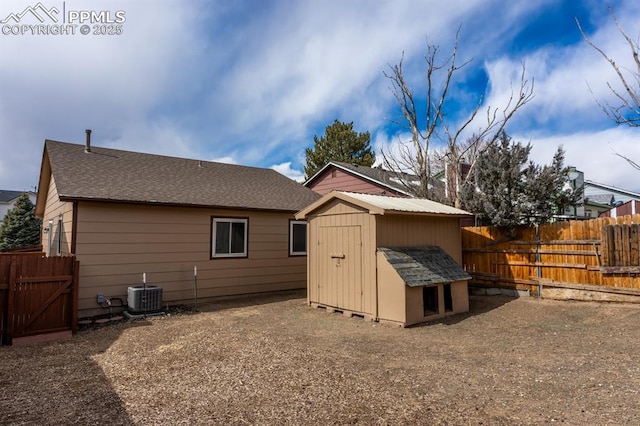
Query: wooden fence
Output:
(600,254)
(38,295)
(25,249)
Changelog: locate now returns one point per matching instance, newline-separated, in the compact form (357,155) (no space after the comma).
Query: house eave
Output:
(70,198)
(433,214)
(43,184)
(612,188)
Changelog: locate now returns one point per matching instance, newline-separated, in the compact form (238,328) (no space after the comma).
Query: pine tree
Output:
(499,195)
(509,190)
(546,192)
(20,227)
(339,143)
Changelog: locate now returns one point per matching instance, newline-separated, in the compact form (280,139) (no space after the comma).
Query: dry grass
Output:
(274,360)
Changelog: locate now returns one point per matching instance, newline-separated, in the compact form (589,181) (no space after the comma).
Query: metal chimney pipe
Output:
(87,146)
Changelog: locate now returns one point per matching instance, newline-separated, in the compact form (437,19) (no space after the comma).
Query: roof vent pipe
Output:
(87,146)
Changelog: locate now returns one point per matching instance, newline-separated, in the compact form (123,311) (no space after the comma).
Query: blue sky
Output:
(251,82)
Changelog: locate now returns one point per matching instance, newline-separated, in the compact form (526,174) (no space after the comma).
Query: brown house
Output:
(125,214)
(339,176)
(389,259)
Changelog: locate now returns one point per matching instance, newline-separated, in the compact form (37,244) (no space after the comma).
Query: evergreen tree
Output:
(546,192)
(498,197)
(509,190)
(20,227)
(339,143)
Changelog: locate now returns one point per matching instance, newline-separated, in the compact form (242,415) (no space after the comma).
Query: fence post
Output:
(617,254)
(604,245)
(13,272)
(538,261)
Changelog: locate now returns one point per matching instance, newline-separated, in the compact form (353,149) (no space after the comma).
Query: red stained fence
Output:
(38,295)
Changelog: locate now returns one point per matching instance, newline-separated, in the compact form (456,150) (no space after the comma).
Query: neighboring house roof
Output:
(424,266)
(609,188)
(600,199)
(378,204)
(122,176)
(376,175)
(7,196)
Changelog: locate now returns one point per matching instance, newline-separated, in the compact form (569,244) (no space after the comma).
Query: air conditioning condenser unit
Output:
(144,299)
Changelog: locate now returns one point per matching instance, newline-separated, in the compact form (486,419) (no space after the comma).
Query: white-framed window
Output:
(229,237)
(297,238)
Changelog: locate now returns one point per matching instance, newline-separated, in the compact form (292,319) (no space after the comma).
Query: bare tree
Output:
(627,111)
(419,154)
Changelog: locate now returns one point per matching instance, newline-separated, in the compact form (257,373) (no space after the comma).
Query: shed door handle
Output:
(337,256)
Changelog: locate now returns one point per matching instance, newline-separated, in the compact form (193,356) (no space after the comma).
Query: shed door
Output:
(340,267)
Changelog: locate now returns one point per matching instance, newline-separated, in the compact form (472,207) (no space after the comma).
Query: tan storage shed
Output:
(385,258)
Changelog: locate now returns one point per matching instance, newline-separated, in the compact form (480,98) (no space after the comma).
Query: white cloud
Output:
(57,86)
(253,83)
(594,154)
(565,77)
(227,160)
(285,169)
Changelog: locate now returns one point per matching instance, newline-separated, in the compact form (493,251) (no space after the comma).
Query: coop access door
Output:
(340,267)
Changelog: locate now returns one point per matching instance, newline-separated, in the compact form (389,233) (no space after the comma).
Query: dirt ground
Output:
(275,360)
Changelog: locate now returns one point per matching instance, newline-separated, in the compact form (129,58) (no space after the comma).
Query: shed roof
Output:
(105,174)
(378,204)
(424,266)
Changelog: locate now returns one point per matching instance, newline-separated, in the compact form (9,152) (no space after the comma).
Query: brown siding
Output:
(116,243)
(339,214)
(628,208)
(334,179)
(392,290)
(407,231)
(55,208)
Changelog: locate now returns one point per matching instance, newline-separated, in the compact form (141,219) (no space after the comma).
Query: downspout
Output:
(74,228)
(375,318)
(375,240)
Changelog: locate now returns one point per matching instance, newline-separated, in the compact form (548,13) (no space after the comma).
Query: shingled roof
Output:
(122,176)
(424,266)
(376,175)
(6,196)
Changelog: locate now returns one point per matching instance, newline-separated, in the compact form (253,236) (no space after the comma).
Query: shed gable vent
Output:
(141,299)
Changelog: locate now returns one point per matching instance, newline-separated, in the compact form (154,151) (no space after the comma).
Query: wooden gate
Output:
(38,295)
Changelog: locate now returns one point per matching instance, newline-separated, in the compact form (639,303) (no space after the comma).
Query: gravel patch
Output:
(275,360)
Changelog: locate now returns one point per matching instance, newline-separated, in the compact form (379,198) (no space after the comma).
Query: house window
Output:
(229,237)
(297,238)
